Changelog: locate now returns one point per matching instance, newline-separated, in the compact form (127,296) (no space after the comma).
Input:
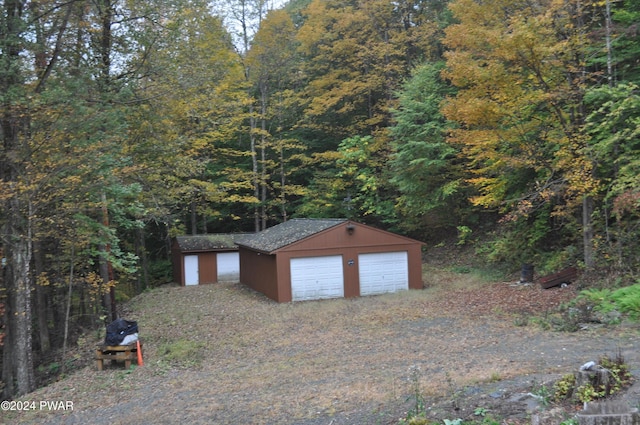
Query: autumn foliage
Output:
(124,124)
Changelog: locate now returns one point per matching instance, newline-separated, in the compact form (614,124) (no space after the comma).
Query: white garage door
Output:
(228,264)
(191,273)
(383,272)
(314,278)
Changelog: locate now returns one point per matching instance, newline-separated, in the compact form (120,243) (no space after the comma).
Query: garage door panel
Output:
(315,278)
(191,270)
(228,265)
(383,272)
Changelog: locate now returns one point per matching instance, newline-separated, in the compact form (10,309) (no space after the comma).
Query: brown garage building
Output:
(202,259)
(307,259)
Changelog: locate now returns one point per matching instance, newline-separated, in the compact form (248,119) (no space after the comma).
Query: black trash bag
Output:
(118,329)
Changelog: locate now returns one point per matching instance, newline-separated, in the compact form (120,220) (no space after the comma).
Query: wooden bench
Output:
(563,276)
(117,352)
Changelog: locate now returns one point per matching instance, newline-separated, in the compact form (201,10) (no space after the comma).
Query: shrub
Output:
(595,388)
(564,387)
(627,300)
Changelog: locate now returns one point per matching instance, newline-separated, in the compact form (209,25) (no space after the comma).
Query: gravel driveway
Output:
(222,354)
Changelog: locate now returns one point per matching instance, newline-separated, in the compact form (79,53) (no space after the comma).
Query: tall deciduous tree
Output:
(68,72)
(274,65)
(17,203)
(521,71)
(614,127)
(197,91)
(356,54)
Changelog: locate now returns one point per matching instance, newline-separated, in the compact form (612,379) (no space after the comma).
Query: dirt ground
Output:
(222,354)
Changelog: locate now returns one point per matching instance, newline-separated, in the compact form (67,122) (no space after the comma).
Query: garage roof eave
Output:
(209,242)
(274,238)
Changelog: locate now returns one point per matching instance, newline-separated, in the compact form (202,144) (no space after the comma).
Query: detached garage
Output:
(202,259)
(310,259)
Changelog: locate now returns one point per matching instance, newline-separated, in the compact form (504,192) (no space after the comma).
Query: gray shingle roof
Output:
(212,242)
(287,233)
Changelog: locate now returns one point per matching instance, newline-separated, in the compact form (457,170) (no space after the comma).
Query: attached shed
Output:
(202,259)
(309,259)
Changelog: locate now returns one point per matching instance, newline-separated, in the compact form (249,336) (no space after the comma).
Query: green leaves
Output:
(423,165)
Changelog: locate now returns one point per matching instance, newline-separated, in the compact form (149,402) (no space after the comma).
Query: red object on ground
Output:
(139,350)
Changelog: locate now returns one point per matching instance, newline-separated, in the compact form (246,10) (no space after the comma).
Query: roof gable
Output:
(287,233)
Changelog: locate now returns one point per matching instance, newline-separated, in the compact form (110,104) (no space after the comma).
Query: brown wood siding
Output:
(362,236)
(362,240)
(207,267)
(178,264)
(258,271)
(414,256)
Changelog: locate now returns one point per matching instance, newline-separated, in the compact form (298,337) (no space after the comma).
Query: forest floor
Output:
(223,354)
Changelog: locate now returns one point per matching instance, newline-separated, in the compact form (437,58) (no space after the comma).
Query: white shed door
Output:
(314,278)
(228,264)
(191,272)
(383,272)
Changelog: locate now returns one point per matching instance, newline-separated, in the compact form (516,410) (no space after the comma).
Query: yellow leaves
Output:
(42,279)
(73,180)
(491,189)
(97,286)
(510,60)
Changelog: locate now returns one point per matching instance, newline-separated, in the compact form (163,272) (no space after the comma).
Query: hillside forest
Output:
(510,126)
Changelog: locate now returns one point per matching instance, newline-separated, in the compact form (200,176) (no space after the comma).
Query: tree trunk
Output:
(263,155)
(20,304)
(41,301)
(106,270)
(587,231)
(194,218)
(283,183)
(254,165)
(7,354)
(143,275)
(68,310)
(16,236)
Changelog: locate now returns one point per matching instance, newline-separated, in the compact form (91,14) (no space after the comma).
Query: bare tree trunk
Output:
(587,231)
(16,236)
(254,164)
(106,270)
(20,301)
(263,153)
(283,182)
(7,354)
(194,219)
(608,43)
(263,183)
(68,312)
(143,276)
(41,300)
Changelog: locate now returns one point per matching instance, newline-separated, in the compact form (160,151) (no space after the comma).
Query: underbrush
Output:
(601,306)
(590,307)
(419,415)
(605,301)
(594,381)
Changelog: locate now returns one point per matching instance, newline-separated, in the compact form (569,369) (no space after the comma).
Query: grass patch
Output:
(182,352)
(459,277)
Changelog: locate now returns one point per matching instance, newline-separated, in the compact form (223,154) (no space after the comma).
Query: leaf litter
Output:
(343,361)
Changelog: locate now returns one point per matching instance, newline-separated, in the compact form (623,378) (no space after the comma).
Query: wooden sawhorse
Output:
(117,352)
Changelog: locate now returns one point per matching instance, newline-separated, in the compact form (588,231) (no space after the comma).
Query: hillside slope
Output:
(222,354)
